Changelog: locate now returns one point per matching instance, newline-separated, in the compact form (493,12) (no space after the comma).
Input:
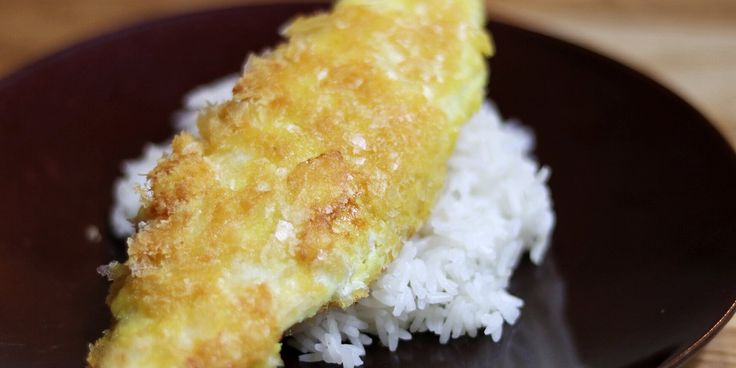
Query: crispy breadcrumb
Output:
(301,188)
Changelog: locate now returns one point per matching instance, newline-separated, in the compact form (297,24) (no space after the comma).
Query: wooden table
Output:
(688,45)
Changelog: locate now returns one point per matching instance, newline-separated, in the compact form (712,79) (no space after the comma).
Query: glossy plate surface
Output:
(642,263)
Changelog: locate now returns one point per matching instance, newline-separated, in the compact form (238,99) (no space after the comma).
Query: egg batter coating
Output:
(301,189)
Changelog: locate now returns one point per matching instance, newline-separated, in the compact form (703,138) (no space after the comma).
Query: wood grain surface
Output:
(687,45)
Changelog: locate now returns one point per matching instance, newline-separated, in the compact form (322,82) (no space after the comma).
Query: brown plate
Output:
(641,271)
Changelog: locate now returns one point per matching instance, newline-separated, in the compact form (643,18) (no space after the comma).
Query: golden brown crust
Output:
(300,189)
(331,200)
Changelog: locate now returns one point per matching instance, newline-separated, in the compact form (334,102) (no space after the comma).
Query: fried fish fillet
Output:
(301,189)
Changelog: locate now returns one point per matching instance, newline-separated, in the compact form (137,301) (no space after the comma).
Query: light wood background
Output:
(688,45)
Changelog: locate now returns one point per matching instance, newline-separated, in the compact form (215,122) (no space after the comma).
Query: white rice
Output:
(451,278)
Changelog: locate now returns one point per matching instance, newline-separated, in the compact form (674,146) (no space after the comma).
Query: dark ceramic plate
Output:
(641,271)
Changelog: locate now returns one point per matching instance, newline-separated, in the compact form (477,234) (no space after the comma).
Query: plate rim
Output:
(682,355)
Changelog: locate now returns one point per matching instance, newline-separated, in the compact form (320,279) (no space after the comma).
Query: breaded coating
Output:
(301,189)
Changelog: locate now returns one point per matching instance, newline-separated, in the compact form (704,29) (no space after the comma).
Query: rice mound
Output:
(450,279)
